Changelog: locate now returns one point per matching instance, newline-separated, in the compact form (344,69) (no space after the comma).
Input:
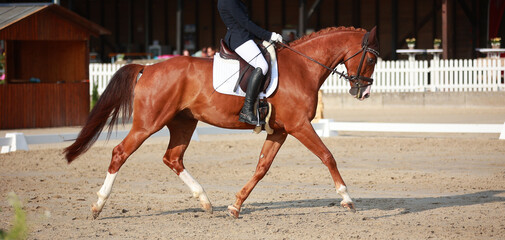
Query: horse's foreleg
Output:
(270,148)
(308,137)
(119,155)
(181,131)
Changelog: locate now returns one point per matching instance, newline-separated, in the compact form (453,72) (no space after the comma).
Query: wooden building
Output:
(46,66)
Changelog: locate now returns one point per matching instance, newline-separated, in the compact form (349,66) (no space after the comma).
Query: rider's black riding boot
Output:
(253,88)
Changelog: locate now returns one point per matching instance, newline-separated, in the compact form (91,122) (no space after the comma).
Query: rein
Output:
(352,78)
(333,71)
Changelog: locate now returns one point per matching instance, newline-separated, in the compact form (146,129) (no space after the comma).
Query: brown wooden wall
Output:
(396,19)
(43,105)
(50,61)
(44,26)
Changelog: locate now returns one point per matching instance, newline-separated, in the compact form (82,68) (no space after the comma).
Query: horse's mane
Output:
(323,32)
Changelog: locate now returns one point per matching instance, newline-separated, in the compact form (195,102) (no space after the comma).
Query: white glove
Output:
(276,37)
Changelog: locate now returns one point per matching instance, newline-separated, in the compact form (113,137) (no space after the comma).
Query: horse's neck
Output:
(331,54)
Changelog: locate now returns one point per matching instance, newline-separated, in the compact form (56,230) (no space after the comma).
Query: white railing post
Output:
(502,134)
(433,74)
(495,73)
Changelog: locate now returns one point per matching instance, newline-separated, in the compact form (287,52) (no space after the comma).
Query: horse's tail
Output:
(117,97)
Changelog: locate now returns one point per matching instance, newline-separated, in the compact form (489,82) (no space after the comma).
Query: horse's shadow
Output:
(406,205)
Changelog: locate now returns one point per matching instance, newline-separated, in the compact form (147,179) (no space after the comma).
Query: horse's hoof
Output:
(233,212)
(348,205)
(95,211)
(207,207)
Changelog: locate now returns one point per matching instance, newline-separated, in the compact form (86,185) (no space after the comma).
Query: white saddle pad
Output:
(225,74)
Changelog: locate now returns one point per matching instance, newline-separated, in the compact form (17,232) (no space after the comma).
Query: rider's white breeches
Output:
(250,52)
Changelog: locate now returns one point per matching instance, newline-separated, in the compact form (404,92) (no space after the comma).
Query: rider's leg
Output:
(251,54)
(253,88)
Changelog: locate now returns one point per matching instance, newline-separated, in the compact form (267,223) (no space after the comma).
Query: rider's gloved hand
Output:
(276,37)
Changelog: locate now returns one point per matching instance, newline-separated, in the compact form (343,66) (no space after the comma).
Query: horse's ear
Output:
(372,35)
(372,39)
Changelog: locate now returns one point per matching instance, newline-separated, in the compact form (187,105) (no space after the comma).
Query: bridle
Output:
(355,79)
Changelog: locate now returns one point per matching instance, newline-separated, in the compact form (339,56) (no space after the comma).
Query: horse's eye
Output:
(370,61)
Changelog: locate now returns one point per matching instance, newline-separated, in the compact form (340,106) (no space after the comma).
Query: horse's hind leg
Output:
(181,131)
(121,152)
(270,148)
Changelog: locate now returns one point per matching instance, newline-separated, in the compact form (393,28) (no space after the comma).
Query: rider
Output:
(239,37)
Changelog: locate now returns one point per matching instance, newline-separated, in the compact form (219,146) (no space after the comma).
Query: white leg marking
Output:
(343,192)
(104,192)
(196,189)
(231,207)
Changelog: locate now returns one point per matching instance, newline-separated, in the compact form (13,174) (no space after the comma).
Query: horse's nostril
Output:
(367,95)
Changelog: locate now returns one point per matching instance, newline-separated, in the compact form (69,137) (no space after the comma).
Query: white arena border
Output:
(324,128)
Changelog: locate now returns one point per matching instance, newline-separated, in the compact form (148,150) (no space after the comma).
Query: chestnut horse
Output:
(178,93)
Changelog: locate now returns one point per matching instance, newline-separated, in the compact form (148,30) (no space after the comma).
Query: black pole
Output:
(435,19)
(283,13)
(356,16)
(476,29)
(213,25)
(335,15)
(166,24)
(179,27)
(394,31)
(102,37)
(377,17)
(130,26)
(266,6)
(117,27)
(414,15)
(147,23)
(301,18)
(197,25)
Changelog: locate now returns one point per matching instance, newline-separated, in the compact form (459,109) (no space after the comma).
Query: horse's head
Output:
(360,63)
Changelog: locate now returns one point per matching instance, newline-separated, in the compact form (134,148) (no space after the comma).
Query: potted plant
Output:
(436,43)
(411,43)
(495,42)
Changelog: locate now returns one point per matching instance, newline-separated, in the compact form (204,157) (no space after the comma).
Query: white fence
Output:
(436,76)
(391,76)
(100,74)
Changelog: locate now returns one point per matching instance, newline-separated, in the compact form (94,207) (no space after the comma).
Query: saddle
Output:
(245,68)
(262,108)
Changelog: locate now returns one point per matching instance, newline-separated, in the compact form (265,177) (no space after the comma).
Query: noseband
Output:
(355,79)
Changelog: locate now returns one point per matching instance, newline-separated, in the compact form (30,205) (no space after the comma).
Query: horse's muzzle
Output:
(360,93)
(366,94)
